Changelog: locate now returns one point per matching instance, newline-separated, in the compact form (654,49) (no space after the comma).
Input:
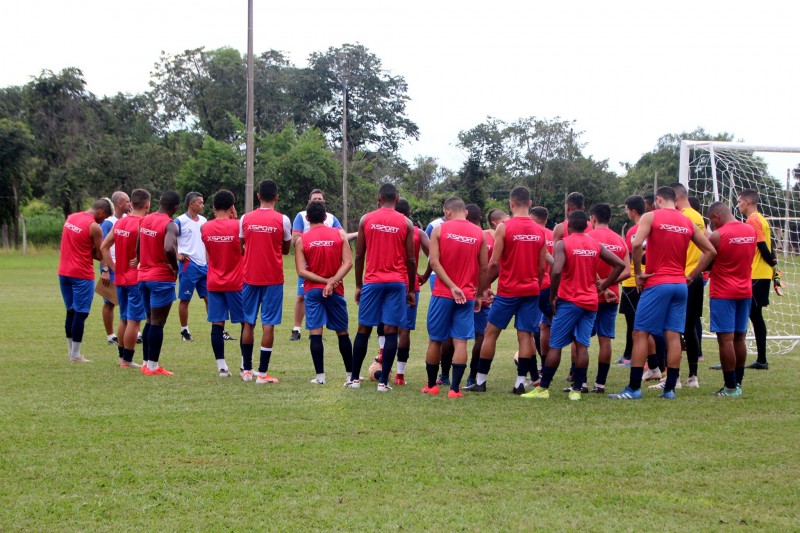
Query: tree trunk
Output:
(16,214)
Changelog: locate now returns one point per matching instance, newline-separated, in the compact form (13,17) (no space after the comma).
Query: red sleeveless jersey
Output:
(224,255)
(263,232)
(580,271)
(385,233)
(519,264)
(126,231)
(614,244)
(417,246)
(459,252)
(322,248)
(731,273)
(153,265)
(550,245)
(589,228)
(76,247)
(667,244)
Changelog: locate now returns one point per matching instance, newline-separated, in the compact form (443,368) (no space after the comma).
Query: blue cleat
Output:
(443,380)
(627,394)
(667,395)
(470,382)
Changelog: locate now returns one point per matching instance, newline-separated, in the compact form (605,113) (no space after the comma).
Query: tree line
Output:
(61,145)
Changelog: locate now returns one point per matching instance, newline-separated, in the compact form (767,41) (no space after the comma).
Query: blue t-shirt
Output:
(302,225)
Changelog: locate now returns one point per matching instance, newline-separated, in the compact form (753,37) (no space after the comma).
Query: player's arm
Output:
(425,246)
(105,249)
(560,257)
(441,274)
(497,253)
(411,263)
(361,250)
(645,224)
(713,238)
(542,262)
(347,259)
(558,233)
(96,235)
(297,229)
(709,252)
(287,236)
(302,268)
(296,237)
(171,245)
(483,271)
(618,267)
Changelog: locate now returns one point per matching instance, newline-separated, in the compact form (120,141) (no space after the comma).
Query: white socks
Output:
(401,368)
(520,381)
(75,350)
(480,379)
(221,364)
(381,341)
(152,365)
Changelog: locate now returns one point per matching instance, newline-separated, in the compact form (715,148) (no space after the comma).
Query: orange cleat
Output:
(400,379)
(266,379)
(454,394)
(430,390)
(126,364)
(160,371)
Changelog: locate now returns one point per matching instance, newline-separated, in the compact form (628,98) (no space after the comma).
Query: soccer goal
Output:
(718,171)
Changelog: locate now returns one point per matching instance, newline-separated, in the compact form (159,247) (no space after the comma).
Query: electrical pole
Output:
(248,186)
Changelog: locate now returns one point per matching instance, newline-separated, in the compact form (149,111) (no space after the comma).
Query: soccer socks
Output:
(759,332)
(78,323)
(523,367)
(431,370)
(127,355)
(547,376)
(730,379)
(359,353)
(537,341)
(346,349)
(739,374)
(447,362)
(156,338)
(247,356)
(579,378)
(602,373)
(458,375)
(263,362)
(217,342)
(661,351)
(652,361)
(635,382)
(317,353)
(120,350)
(402,359)
(146,342)
(68,324)
(389,352)
(672,378)
(484,365)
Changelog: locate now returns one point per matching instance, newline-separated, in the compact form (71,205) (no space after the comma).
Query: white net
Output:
(714,171)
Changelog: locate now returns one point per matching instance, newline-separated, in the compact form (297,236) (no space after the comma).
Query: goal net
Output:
(719,171)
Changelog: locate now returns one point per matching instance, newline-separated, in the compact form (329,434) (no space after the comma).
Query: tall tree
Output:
(16,146)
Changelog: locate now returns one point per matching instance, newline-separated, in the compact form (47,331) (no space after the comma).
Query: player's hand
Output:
(411,299)
(640,280)
(599,283)
(105,278)
(133,263)
(477,305)
(488,296)
(458,295)
(553,303)
(689,280)
(610,297)
(357,295)
(328,290)
(422,279)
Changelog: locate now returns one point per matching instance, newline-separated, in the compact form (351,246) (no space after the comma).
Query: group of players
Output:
(561,286)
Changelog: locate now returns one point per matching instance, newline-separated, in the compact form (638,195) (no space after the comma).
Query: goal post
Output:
(719,171)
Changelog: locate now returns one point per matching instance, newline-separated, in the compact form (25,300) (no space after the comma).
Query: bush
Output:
(44,229)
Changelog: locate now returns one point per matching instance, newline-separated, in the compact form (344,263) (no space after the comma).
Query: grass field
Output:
(94,447)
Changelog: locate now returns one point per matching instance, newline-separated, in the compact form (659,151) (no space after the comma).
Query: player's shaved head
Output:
(578,221)
(454,203)
(139,198)
(520,196)
(667,193)
(602,212)
(388,193)
(718,208)
(540,214)
(496,216)
(751,196)
(474,214)
(680,190)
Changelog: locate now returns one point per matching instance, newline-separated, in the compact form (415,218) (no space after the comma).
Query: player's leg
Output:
(499,317)
(760,300)
(439,320)
(271,316)
(316,317)
(369,316)
(404,341)
(299,311)
(108,322)
(186,289)
(694,306)
(480,321)
(446,363)
(561,335)
(393,314)
(132,312)
(251,303)
(218,312)
(674,322)
(526,321)
(462,329)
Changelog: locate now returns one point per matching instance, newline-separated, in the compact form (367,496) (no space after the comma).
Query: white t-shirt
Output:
(190,240)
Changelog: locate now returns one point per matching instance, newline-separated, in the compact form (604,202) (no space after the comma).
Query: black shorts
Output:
(628,300)
(761,289)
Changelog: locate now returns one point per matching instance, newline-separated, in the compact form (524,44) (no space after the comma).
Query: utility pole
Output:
(248,185)
(342,73)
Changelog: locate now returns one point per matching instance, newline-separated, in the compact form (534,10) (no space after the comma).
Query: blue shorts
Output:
(191,277)
(77,293)
(662,308)
(269,298)
(449,320)
(546,306)
(300,290)
(526,309)
(605,325)
(571,323)
(110,277)
(224,305)
(157,294)
(131,304)
(480,319)
(410,322)
(729,316)
(432,281)
(330,312)
(382,303)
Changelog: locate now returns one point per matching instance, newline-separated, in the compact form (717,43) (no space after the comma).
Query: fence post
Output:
(24,237)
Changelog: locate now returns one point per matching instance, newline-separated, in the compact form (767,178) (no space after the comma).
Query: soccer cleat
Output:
(224,373)
(144,366)
(354,384)
(574,395)
(660,384)
(627,394)
(518,390)
(584,388)
(728,393)
(126,364)
(383,388)
(79,359)
(113,340)
(537,393)
(692,383)
(295,335)
(316,381)
(400,379)
(715,367)
(475,387)
(625,362)
(652,375)
(470,382)
(379,359)
(597,389)
(529,384)
(454,394)
(667,395)
(620,360)
(227,336)
(569,378)
(758,366)
(443,380)
(247,375)
(260,380)
(430,390)
(241,371)
(160,371)
(186,336)
(139,338)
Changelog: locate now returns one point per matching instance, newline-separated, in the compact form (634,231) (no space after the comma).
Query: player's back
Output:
(459,249)
(225,267)
(126,231)
(519,263)
(582,254)
(75,260)
(263,231)
(730,278)
(667,243)
(153,265)
(385,232)
(322,249)
(614,244)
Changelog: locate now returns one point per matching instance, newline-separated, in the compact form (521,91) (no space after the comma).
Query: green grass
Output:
(93,447)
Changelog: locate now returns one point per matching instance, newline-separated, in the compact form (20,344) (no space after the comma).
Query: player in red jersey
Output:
(731,293)
(539,215)
(224,277)
(518,261)
(323,259)
(662,306)
(157,252)
(459,258)
(81,239)
(577,261)
(385,275)
(608,302)
(265,235)
(575,202)
(123,238)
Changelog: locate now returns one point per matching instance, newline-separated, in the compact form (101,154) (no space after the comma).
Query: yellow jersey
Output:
(693,253)
(761,269)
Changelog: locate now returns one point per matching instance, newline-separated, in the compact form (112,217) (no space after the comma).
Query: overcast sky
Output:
(627,72)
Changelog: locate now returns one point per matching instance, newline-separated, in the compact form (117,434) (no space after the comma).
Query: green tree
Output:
(16,146)
(216,165)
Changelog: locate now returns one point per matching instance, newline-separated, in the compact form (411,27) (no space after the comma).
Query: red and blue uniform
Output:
(156,275)
(129,297)
(730,288)
(322,249)
(225,275)
(75,267)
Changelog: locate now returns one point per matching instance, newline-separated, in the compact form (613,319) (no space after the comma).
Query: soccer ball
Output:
(375,372)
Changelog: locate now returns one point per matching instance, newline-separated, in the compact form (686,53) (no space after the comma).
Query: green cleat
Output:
(728,393)
(538,393)
(574,395)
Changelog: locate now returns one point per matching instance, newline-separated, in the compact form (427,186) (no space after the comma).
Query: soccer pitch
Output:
(95,447)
